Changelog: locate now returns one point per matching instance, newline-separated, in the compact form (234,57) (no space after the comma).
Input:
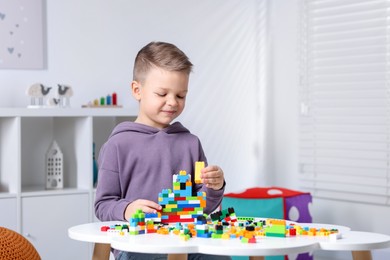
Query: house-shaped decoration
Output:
(54,167)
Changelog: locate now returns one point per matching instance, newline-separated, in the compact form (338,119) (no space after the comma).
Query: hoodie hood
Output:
(128,126)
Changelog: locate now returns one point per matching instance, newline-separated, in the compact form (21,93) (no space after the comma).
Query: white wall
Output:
(91,45)
(285,132)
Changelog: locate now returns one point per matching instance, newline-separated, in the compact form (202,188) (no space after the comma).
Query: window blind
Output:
(345,100)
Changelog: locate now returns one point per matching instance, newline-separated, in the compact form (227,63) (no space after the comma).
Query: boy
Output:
(139,158)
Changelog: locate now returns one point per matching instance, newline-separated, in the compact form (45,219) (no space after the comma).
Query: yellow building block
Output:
(198,167)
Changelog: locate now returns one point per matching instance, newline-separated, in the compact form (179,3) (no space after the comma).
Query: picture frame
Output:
(22,34)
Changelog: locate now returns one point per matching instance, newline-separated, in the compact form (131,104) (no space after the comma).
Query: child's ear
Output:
(136,90)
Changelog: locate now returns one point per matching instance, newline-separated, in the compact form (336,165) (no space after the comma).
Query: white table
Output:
(91,232)
(358,242)
(171,244)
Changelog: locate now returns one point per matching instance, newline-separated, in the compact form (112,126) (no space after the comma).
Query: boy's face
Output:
(161,97)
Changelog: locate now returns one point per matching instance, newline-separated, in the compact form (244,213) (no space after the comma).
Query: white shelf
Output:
(25,136)
(7,195)
(67,112)
(37,192)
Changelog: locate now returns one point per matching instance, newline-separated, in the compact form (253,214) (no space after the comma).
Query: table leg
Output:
(361,255)
(101,251)
(177,257)
(256,258)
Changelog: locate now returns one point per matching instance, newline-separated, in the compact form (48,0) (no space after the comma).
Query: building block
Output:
(275,228)
(198,167)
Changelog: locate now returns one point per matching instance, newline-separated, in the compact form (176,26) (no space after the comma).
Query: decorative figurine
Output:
(37,92)
(54,167)
(64,94)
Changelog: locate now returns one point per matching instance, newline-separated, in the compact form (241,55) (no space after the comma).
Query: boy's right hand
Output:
(146,206)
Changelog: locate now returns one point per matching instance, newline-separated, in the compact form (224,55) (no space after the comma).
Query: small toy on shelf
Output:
(39,92)
(110,101)
(64,94)
(54,167)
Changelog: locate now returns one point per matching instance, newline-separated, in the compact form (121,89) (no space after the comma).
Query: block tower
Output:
(179,205)
(137,223)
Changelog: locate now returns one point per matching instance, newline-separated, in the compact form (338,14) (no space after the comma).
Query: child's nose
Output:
(172,101)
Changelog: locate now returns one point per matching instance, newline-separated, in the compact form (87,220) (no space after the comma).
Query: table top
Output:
(91,232)
(171,244)
(357,241)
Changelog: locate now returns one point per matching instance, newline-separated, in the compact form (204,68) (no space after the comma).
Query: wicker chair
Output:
(14,246)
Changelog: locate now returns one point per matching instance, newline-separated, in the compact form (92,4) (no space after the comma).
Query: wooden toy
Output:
(109,101)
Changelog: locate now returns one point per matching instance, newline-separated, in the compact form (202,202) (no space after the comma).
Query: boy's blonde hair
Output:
(161,55)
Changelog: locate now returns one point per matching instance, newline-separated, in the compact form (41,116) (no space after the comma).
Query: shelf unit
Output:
(42,215)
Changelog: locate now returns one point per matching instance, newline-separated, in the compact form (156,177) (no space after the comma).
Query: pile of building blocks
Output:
(226,226)
(182,215)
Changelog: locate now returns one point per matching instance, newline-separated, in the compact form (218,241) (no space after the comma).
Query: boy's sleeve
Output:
(108,203)
(213,198)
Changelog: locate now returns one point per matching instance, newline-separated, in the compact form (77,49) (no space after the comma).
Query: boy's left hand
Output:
(212,177)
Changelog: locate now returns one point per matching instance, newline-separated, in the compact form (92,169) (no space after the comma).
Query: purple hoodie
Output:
(138,161)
